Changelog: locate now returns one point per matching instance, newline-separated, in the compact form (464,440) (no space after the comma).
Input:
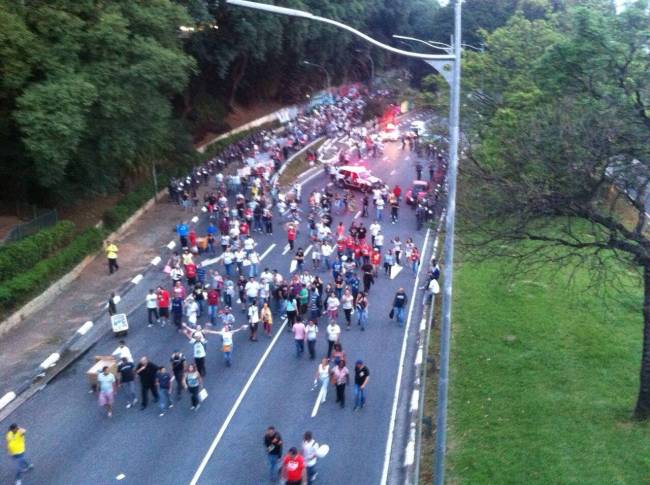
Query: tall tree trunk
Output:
(240,70)
(642,410)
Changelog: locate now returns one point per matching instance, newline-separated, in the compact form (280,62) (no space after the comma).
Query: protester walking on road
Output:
(163,305)
(309,453)
(147,372)
(333,334)
(151,301)
(177,362)
(299,335)
(112,304)
(361,376)
(193,382)
(107,388)
(399,306)
(273,445)
(126,369)
(312,333)
(323,376)
(164,382)
(16,449)
(340,376)
(111,255)
(361,307)
(293,468)
(227,341)
(267,319)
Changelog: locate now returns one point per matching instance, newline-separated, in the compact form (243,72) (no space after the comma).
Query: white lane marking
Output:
(50,361)
(155,261)
(121,476)
(195,219)
(357,215)
(418,357)
(285,250)
(6,399)
(293,265)
(266,253)
(400,369)
(137,279)
(233,410)
(204,209)
(415,400)
(314,411)
(393,172)
(308,249)
(83,330)
(208,262)
(116,299)
(314,175)
(171,245)
(408,157)
(395,271)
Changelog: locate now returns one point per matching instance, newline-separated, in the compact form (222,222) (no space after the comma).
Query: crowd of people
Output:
(220,273)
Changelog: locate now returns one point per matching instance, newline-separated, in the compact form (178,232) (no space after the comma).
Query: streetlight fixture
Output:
(327,74)
(443,64)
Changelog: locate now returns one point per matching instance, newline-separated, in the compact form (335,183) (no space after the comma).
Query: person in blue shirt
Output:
(182,230)
(177,311)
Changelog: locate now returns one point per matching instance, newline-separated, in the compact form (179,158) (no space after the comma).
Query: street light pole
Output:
(327,74)
(445,322)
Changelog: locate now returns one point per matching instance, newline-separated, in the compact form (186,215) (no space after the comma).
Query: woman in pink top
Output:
(179,290)
(299,335)
(340,376)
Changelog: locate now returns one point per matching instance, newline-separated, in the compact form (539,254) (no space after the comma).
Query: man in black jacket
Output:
(147,372)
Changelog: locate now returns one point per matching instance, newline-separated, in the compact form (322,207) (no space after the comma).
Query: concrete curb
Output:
(284,166)
(411,452)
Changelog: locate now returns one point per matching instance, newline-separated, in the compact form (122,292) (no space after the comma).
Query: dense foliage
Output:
(558,116)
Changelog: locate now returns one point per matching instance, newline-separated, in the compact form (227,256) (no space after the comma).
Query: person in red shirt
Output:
(244,230)
(397,191)
(375,259)
(190,273)
(291,235)
(293,467)
(213,303)
(192,238)
(163,304)
(340,246)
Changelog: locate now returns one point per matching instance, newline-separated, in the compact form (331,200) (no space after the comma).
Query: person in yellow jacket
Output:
(111,253)
(16,449)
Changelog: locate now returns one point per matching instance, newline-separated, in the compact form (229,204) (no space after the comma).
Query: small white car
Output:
(391,133)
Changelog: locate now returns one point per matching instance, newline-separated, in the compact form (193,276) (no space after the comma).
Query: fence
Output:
(19,231)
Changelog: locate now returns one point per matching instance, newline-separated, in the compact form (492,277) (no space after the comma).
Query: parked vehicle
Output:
(357,177)
(416,192)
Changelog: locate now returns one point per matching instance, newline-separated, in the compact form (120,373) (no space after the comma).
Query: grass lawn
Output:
(543,381)
(297,166)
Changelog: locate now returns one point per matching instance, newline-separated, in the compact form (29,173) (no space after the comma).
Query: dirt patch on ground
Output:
(88,212)
(7,223)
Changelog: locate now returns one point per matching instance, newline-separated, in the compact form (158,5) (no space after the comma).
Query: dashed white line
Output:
(395,270)
(266,253)
(121,476)
(357,215)
(171,245)
(208,262)
(155,261)
(83,330)
(393,172)
(137,279)
(319,398)
(415,400)
(6,399)
(195,219)
(308,249)
(285,250)
(50,361)
(233,410)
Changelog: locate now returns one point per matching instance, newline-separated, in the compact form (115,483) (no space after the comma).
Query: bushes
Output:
(18,257)
(27,284)
(120,212)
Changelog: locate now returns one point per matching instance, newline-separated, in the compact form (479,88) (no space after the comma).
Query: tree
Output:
(562,157)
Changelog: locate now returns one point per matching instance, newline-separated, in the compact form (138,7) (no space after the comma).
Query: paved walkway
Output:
(29,343)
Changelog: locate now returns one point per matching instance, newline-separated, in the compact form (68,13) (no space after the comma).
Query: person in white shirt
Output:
(191,310)
(309,450)
(227,341)
(252,289)
(312,334)
(326,251)
(122,351)
(151,301)
(374,229)
(249,245)
(253,319)
(323,376)
(333,333)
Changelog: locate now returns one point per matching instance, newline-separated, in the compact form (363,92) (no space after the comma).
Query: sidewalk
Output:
(29,343)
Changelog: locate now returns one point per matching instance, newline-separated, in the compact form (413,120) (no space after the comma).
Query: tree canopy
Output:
(558,125)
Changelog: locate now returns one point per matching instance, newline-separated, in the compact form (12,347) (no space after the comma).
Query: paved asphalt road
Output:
(71,441)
